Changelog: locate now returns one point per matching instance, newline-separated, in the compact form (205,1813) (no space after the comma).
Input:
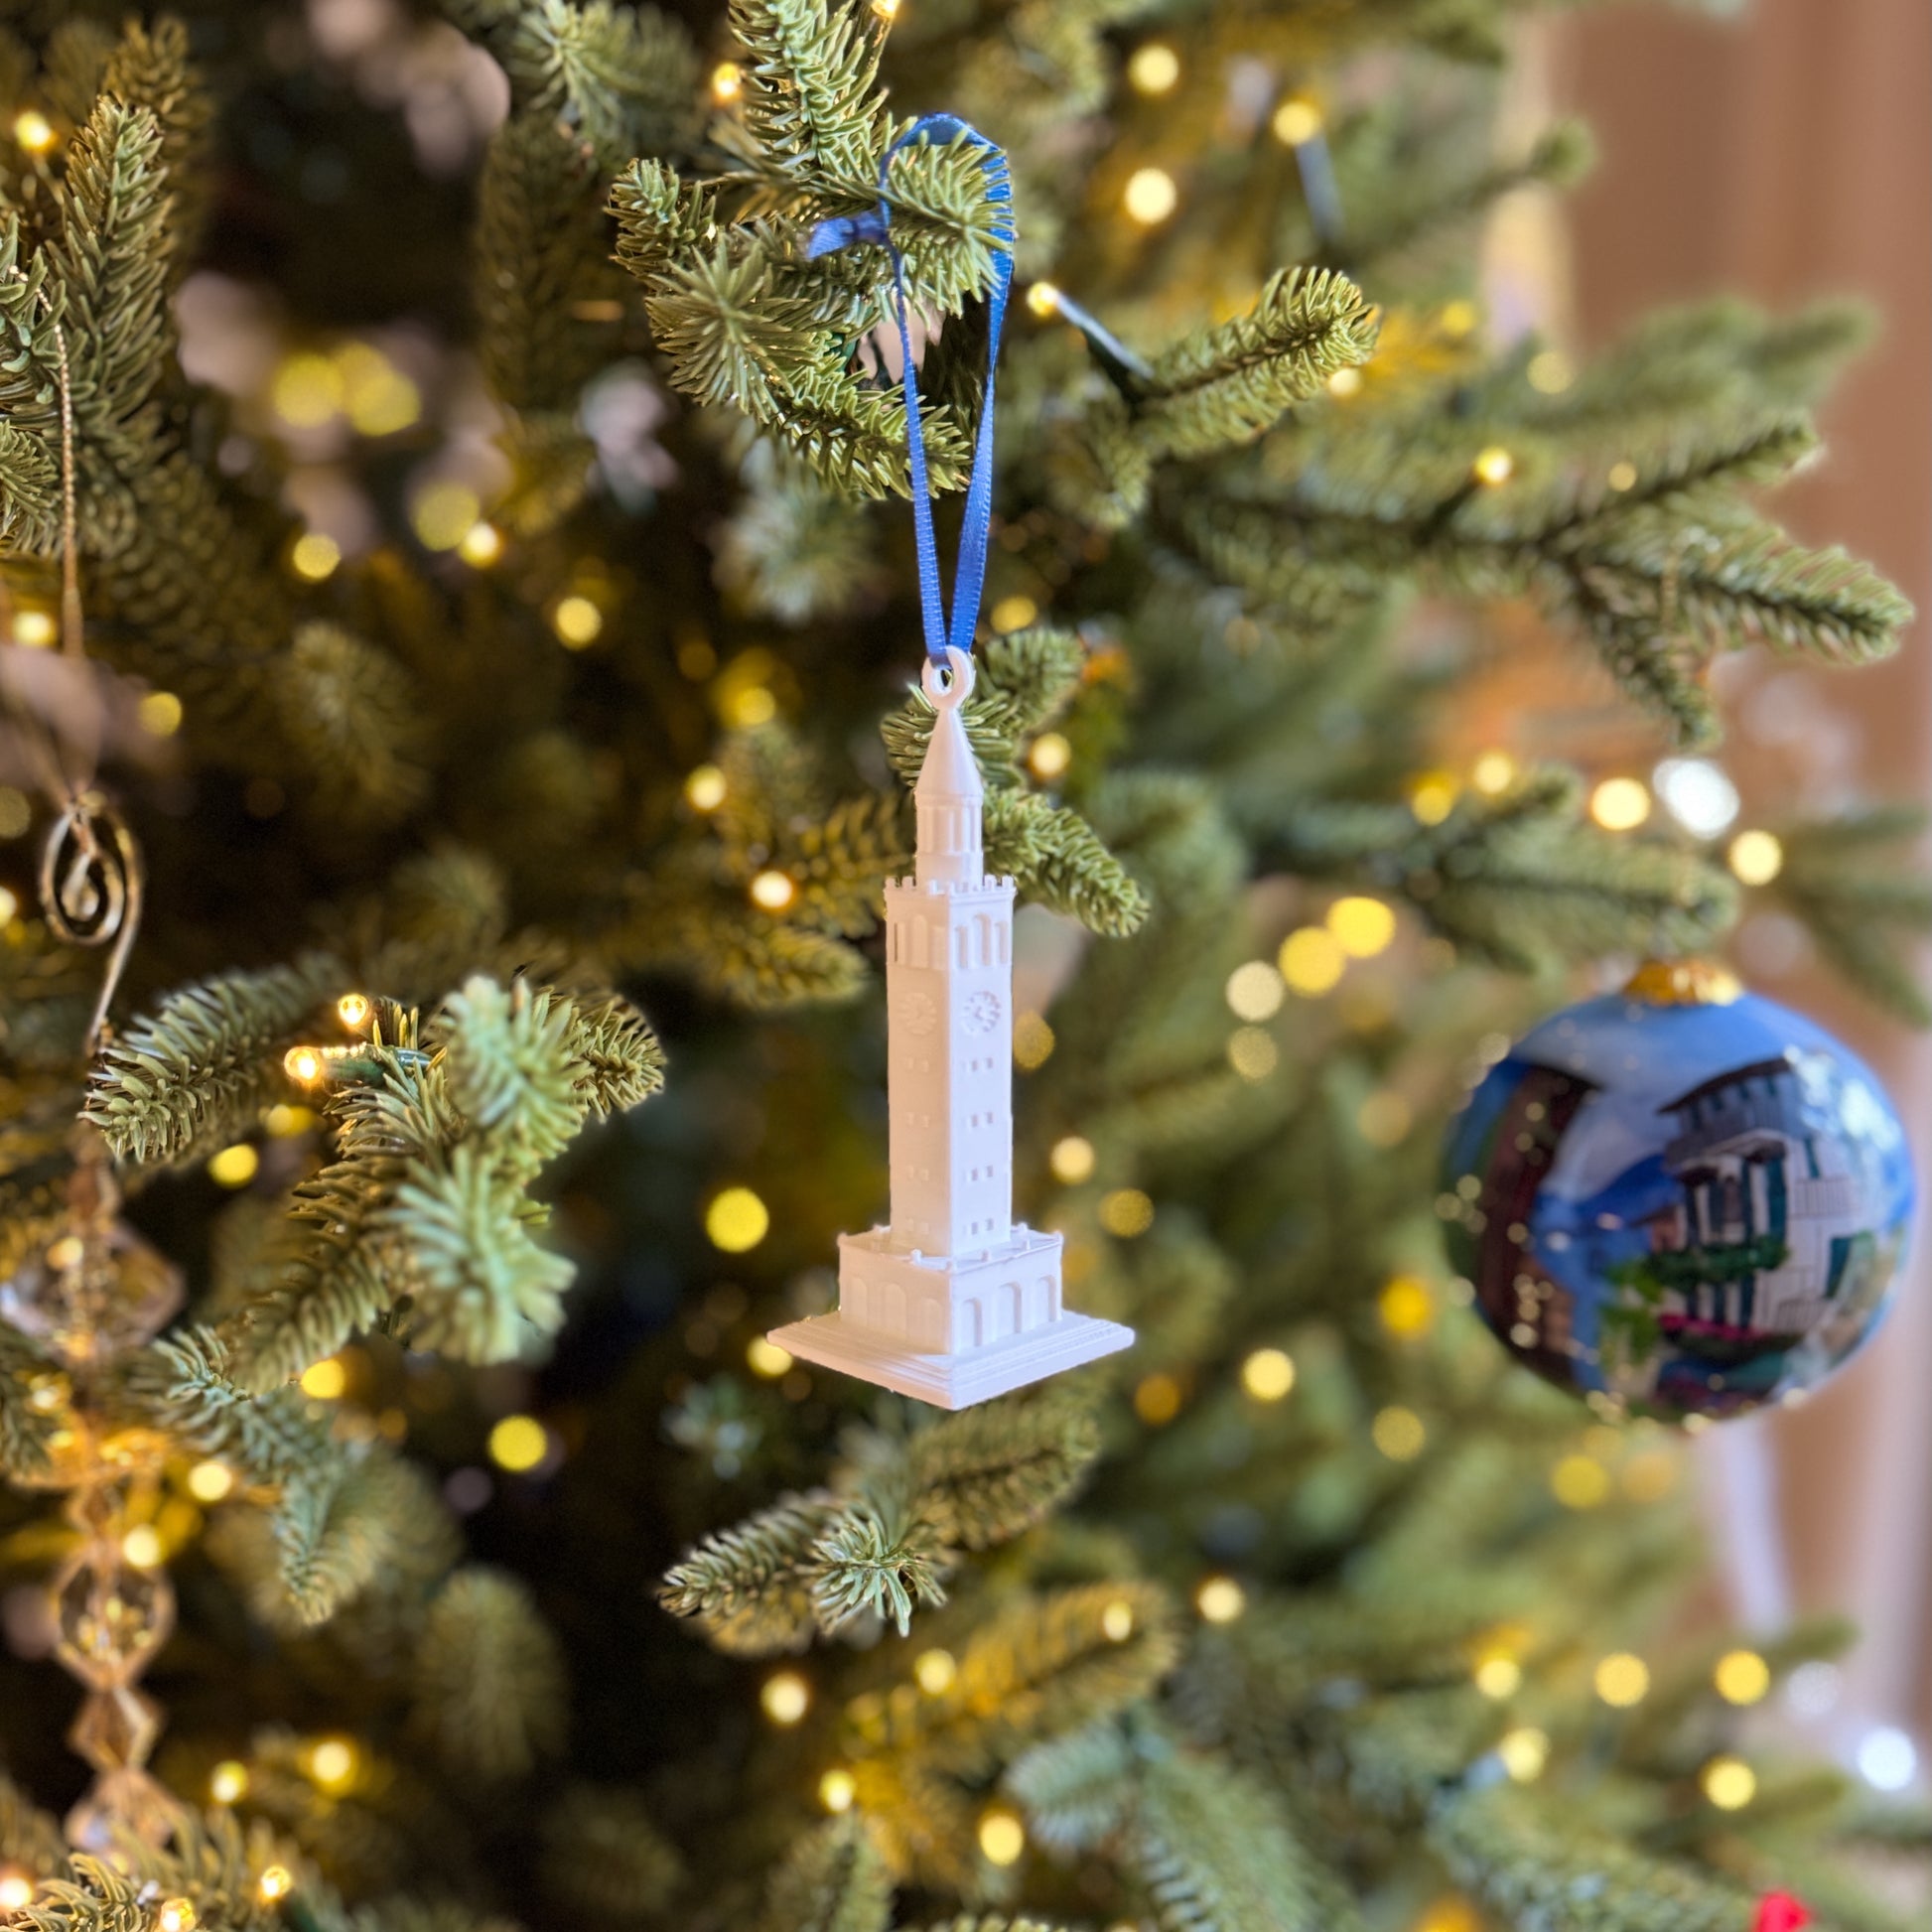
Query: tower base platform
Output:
(962,1378)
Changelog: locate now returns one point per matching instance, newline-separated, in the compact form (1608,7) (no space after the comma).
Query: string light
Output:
(1297,120)
(35,630)
(1448,1914)
(1728,1782)
(1697,793)
(727,82)
(1493,774)
(1255,991)
(773,891)
(331,1763)
(314,556)
(703,789)
(1551,373)
(325,1380)
(764,1357)
(518,1443)
(1621,804)
(1493,466)
(1014,613)
(1044,299)
(1621,1679)
(1157,1400)
(352,1010)
(1221,1599)
(303,1064)
(176,1915)
(1497,1677)
(887,10)
(1151,196)
(1126,1212)
(1072,1160)
(737,1220)
(836,1791)
(1580,1482)
(577,622)
(1345,383)
(1649,1475)
(210,1482)
(1311,961)
(1153,69)
(378,398)
(1887,1758)
(1362,926)
(234,1167)
(140,1546)
(34,131)
(276,1883)
(16,1888)
(160,712)
(227,1784)
(1623,476)
(1433,795)
(1384,1118)
(443,514)
(482,545)
(1524,1752)
(1742,1676)
(1404,1306)
(1757,858)
(1251,1053)
(1033,1041)
(1117,1620)
(785,1697)
(933,1671)
(1002,1836)
(1399,1434)
(1048,755)
(1268,1374)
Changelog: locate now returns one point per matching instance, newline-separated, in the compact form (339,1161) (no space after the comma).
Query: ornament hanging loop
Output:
(943,634)
(91,890)
(947,686)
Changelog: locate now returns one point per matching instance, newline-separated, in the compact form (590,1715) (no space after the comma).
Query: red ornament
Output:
(1778,1911)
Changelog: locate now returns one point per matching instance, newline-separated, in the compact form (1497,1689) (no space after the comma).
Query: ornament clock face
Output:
(982,1012)
(1679,1210)
(918,1013)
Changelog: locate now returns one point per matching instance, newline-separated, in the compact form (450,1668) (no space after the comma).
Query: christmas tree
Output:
(464,632)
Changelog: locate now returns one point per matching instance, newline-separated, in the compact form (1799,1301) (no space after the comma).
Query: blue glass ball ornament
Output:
(1679,1200)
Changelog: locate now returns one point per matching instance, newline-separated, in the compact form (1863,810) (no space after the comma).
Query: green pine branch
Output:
(198,1071)
(490,1694)
(1223,386)
(1521,878)
(1863,905)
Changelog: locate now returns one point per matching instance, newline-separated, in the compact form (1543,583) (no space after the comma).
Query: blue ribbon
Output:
(876,225)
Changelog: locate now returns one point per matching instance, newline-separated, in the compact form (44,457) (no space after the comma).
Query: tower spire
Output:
(949,798)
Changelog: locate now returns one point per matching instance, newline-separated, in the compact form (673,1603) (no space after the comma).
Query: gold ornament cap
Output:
(1683,983)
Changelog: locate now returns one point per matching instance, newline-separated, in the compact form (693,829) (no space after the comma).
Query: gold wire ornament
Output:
(96,1291)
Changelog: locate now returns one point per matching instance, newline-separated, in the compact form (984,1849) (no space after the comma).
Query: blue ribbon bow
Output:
(876,225)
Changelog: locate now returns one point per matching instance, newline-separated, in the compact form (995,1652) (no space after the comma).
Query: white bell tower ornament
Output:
(954,1302)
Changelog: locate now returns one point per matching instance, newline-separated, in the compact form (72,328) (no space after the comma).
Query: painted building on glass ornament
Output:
(1766,1207)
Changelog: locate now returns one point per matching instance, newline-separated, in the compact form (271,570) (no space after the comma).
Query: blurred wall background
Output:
(1785,151)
